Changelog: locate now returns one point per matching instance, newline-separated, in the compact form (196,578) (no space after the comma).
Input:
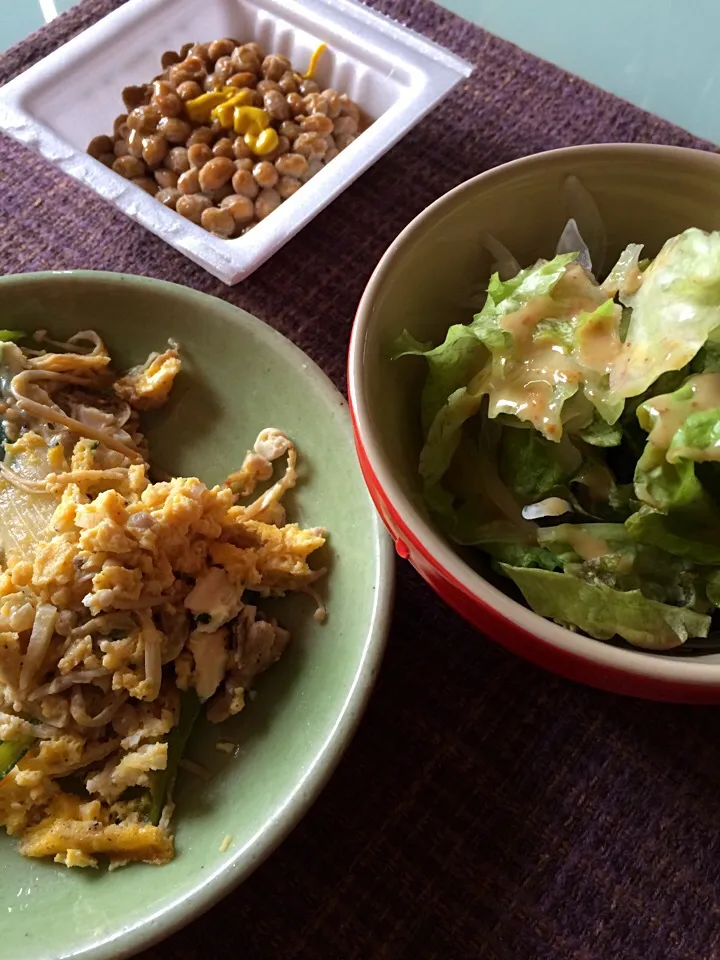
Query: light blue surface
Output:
(660,55)
(18,18)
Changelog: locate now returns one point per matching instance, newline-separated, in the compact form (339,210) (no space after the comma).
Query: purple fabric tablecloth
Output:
(485,809)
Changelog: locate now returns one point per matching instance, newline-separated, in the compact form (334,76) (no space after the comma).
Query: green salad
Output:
(572,432)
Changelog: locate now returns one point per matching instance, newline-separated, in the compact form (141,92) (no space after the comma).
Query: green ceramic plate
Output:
(239,376)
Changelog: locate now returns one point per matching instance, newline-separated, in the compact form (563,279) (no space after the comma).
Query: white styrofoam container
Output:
(57,106)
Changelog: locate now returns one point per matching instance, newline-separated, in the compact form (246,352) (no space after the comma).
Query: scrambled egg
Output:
(149,386)
(127,597)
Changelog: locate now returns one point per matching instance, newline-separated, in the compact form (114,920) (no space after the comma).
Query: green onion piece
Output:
(6,335)
(11,752)
(163,780)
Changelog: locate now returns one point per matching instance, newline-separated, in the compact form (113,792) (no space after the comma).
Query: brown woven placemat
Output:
(485,809)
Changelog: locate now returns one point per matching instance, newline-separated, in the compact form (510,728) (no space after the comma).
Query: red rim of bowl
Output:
(576,656)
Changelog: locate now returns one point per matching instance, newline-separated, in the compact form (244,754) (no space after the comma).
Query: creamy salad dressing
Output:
(586,545)
(578,291)
(541,375)
(521,324)
(599,342)
(535,386)
(668,413)
(632,282)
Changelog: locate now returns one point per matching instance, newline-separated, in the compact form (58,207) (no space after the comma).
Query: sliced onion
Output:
(584,210)
(550,507)
(505,265)
(571,241)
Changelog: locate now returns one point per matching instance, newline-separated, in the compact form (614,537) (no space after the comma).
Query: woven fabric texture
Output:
(485,809)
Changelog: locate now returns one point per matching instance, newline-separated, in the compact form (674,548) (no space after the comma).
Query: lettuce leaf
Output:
(520,555)
(600,433)
(442,442)
(484,357)
(460,357)
(597,343)
(603,612)
(458,369)
(585,541)
(695,538)
(607,553)
(669,486)
(561,341)
(674,489)
(670,579)
(625,275)
(698,438)
(594,552)
(450,366)
(678,514)
(529,464)
(502,540)
(685,424)
(673,312)
(507,296)
(712,588)
(707,359)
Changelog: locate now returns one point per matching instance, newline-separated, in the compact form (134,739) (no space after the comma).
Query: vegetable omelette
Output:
(123,604)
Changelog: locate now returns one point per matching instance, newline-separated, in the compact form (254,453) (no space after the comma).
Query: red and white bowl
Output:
(428,279)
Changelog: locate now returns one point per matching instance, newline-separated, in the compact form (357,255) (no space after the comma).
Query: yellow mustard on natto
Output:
(317,53)
(224,112)
(265,142)
(199,109)
(231,108)
(254,125)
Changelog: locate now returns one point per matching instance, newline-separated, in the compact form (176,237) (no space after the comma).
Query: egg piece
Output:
(130,771)
(149,386)
(56,836)
(214,599)
(209,652)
